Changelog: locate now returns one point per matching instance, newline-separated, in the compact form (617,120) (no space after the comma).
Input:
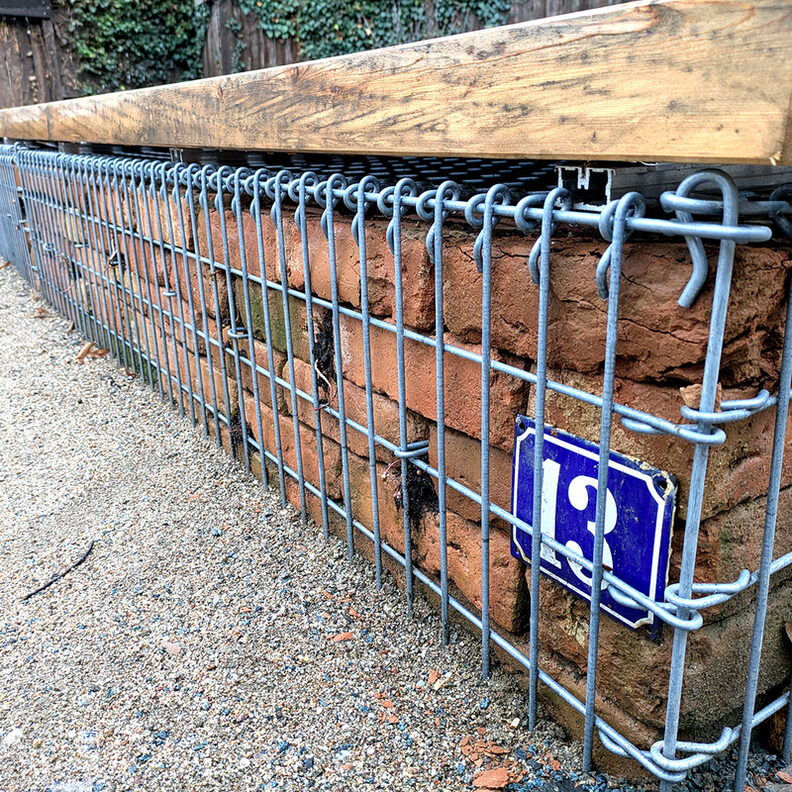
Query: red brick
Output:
(108,304)
(462,381)
(660,347)
(250,240)
(216,306)
(463,464)
(657,338)
(261,361)
(386,414)
(111,207)
(507,584)
(633,671)
(225,439)
(313,507)
(331,450)
(388,499)
(298,319)
(346,260)
(173,314)
(118,288)
(176,314)
(148,264)
(169,210)
(72,227)
(417,275)
(186,360)
(737,470)
(732,540)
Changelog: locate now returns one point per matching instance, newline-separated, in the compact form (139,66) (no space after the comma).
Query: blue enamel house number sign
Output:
(639,514)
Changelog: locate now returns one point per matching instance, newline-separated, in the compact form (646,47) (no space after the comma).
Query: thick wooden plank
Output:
(680,80)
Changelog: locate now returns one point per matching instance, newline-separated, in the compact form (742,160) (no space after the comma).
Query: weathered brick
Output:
(632,659)
(346,260)
(633,670)
(462,381)
(175,270)
(388,499)
(660,347)
(249,237)
(176,314)
(215,300)
(331,449)
(201,376)
(111,207)
(151,220)
(731,541)
(737,470)
(148,264)
(108,303)
(507,582)
(313,505)
(386,414)
(72,228)
(417,274)
(124,275)
(657,338)
(225,440)
(463,464)
(170,223)
(298,319)
(261,361)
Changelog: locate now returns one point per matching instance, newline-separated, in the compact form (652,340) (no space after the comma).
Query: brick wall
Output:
(661,351)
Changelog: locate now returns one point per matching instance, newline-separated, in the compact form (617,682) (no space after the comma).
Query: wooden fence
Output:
(37,64)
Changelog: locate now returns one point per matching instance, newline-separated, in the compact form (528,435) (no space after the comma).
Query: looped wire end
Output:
(561,196)
(355,198)
(615,230)
(497,194)
(390,204)
(299,191)
(447,191)
(730,196)
(326,198)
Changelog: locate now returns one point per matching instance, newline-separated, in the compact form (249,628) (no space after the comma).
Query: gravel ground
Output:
(194,649)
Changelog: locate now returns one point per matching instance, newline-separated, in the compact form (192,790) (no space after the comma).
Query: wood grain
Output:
(679,80)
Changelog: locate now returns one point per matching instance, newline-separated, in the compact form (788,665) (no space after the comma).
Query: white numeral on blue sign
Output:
(639,507)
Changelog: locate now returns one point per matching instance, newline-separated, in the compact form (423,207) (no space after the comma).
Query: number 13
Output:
(578,496)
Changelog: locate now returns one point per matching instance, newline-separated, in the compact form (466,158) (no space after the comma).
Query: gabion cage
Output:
(204,281)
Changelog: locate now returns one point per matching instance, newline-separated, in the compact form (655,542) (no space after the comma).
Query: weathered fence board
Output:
(36,64)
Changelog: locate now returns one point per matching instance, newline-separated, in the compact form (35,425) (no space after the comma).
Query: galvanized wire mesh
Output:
(105,240)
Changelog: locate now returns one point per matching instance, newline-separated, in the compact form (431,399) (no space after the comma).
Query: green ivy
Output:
(322,28)
(121,44)
(235,26)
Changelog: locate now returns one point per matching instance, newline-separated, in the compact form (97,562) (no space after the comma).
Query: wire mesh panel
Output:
(407,366)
